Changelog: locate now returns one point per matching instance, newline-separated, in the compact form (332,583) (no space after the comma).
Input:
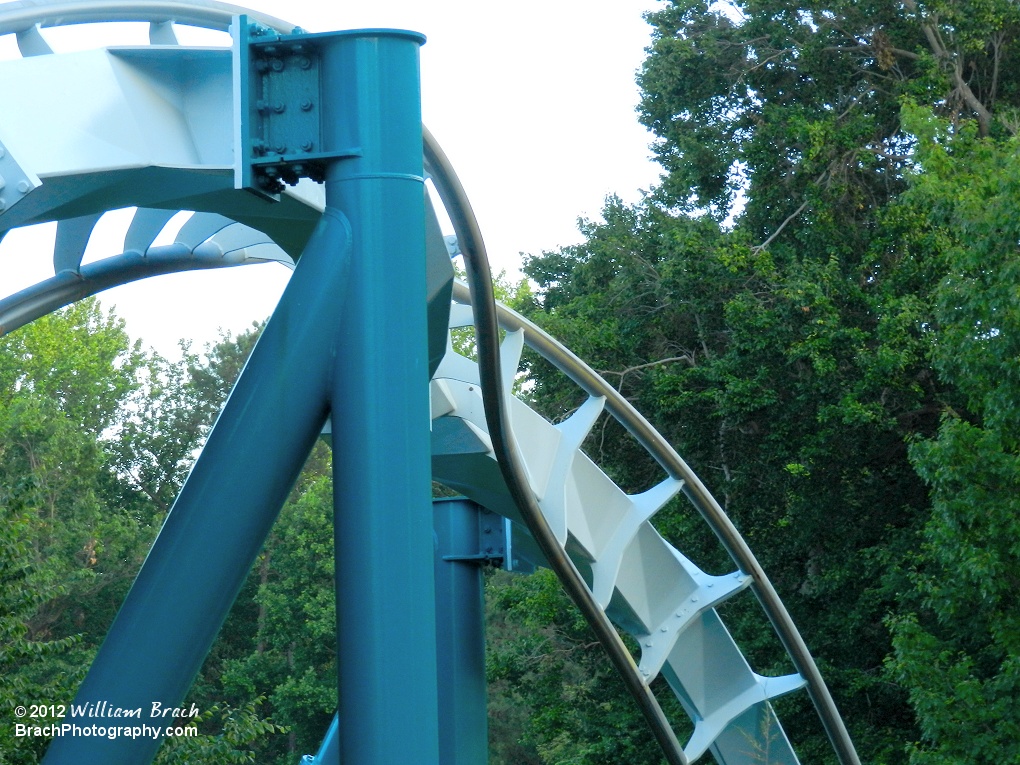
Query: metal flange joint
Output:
(278,107)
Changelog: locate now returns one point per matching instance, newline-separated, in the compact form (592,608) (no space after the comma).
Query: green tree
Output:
(775,384)
(237,731)
(95,441)
(958,647)
(67,552)
(172,412)
(792,354)
(553,698)
(21,657)
(291,657)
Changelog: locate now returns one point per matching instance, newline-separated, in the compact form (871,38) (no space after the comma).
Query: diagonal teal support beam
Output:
(350,337)
(219,522)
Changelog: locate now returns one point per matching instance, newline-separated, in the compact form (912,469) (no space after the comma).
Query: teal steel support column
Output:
(460,623)
(386,643)
(219,522)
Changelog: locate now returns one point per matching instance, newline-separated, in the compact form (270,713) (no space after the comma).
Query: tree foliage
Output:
(959,651)
(64,381)
(816,308)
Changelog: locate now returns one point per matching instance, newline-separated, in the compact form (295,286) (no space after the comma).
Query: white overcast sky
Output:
(533,101)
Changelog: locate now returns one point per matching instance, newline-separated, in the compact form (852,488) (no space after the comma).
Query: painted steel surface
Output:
(379,400)
(154,159)
(460,625)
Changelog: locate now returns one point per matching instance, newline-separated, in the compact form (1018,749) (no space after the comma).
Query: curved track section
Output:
(132,145)
(643,583)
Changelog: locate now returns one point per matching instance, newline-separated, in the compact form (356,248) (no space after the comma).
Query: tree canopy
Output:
(816,306)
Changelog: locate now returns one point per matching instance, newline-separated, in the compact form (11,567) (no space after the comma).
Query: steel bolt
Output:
(23,186)
(261,65)
(306,105)
(304,62)
(3,182)
(306,145)
(3,203)
(281,149)
(276,65)
(279,107)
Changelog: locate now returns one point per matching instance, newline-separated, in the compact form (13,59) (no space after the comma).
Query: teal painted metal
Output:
(280,108)
(460,621)
(467,537)
(349,336)
(383,522)
(217,525)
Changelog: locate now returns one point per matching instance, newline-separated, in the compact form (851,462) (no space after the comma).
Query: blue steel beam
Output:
(386,643)
(335,342)
(460,621)
(219,522)
(460,633)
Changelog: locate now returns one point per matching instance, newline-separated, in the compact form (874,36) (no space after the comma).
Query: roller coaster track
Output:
(151,135)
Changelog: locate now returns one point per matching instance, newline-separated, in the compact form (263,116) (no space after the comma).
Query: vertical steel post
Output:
(386,644)
(460,623)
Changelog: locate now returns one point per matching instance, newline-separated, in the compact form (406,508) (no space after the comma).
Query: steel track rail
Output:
(18,17)
(508,454)
(469,238)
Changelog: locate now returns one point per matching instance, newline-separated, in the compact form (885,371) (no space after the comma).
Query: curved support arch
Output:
(68,287)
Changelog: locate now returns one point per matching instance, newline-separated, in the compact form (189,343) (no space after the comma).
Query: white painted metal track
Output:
(146,126)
